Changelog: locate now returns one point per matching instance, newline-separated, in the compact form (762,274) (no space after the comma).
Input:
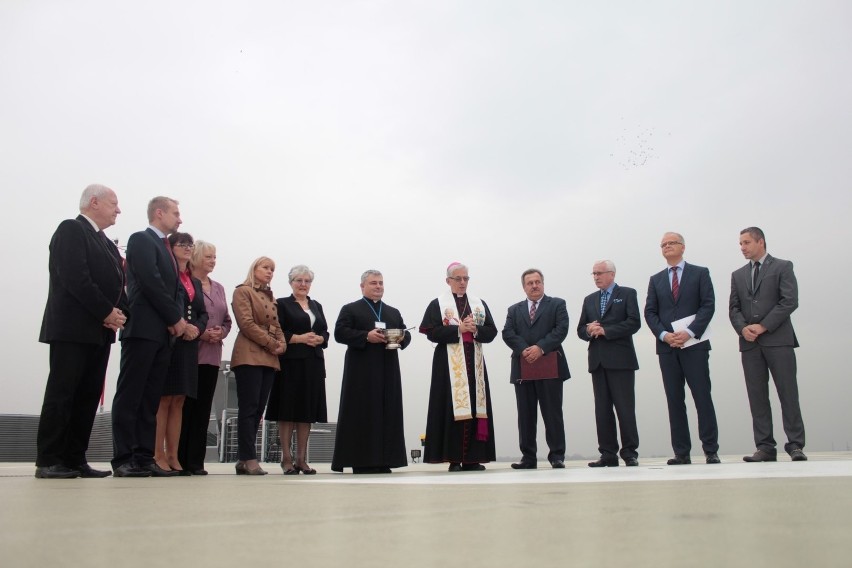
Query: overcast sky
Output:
(403,136)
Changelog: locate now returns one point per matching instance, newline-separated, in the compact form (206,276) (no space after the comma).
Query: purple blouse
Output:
(217,313)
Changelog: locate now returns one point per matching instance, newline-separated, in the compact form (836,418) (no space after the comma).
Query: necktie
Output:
(675,283)
(532,311)
(604,299)
(754,275)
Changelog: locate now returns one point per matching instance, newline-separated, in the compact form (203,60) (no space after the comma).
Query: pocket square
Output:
(617,301)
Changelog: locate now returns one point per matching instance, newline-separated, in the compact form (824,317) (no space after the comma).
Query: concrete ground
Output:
(733,514)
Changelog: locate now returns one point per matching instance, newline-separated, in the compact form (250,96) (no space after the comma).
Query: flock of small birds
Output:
(636,147)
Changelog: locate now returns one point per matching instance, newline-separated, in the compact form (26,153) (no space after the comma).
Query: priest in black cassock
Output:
(459,423)
(370,436)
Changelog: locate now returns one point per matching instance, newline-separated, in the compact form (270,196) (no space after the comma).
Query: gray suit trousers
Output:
(780,361)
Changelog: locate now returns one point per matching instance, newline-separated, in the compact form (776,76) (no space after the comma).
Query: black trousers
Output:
(690,367)
(253,385)
(196,419)
(546,394)
(144,365)
(71,397)
(614,388)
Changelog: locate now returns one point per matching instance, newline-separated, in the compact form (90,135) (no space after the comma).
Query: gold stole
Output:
(456,360)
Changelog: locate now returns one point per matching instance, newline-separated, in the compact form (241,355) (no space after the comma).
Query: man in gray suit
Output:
(764,293)
(535,328)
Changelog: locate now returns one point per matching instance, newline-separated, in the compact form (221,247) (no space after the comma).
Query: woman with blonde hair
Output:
(255,357)
(196,411)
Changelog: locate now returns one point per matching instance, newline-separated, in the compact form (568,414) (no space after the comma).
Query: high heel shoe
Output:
(307,470)
(242,469)
(289,470)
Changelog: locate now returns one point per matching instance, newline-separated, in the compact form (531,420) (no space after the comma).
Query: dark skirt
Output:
(298,393)
(182,377)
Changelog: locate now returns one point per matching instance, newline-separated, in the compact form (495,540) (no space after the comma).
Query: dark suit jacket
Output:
(548,330)
(152,288)
(769,304)
(86,283)
(294,321)
(620,321)
(195,311)
(696,297)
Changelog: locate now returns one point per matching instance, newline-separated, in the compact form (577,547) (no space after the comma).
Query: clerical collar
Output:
(370,303)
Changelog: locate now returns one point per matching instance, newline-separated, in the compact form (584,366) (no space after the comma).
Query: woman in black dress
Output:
(298,396)
(182,377)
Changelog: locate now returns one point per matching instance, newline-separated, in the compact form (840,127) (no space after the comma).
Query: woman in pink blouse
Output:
(196,411)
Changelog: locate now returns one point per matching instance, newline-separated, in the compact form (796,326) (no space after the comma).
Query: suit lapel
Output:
(539,307)
(609,300)
(767,265)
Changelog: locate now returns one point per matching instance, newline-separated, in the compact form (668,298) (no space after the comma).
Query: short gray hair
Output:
(298,270)
(92,191)
(456,266)
(610,265)
(678,235)
(368,273)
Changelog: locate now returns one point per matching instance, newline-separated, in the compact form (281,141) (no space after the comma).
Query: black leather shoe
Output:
(472,467)
(797,455)
(631,462)
(57,471)
(604,462)
(557,464)
(524,465)
(454,467)
(88,471)
(679,460)
(130,470)
(712,457)
(197,471)
(157,471)
(760,456)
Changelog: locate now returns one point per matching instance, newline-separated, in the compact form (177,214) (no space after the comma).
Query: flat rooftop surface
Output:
(732,514)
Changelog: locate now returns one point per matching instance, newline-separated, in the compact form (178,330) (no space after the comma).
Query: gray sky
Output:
(403,136)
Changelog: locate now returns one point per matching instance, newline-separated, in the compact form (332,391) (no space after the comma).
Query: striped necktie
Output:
(532,311)
(675,283)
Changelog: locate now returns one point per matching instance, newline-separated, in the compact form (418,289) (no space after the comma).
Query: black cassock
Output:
(369,424)
(448,440)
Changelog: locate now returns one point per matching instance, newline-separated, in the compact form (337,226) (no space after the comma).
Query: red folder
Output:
(544,368)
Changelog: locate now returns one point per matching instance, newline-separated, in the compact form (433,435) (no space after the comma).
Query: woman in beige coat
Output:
(255,357)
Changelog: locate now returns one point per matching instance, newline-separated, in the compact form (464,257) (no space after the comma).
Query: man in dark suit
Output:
(681,291)
(535,328)
(86,304)
(608,320)
(764,293)
(156,315)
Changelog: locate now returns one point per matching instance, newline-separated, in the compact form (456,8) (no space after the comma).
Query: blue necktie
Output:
(604,298)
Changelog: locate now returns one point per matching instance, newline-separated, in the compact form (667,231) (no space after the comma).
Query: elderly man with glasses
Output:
(608,320)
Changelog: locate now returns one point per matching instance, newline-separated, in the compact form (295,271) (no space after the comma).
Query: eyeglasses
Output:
(460,278)
(302,281)
(670,243)
(187,246)
(601,273)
